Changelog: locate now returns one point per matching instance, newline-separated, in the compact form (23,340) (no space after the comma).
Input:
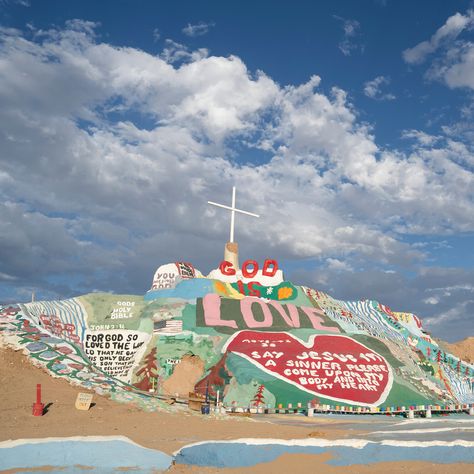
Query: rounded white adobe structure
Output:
(169,275)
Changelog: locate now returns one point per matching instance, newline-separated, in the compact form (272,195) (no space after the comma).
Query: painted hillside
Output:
(249,334)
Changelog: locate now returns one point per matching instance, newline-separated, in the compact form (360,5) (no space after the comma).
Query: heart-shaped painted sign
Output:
(332,366)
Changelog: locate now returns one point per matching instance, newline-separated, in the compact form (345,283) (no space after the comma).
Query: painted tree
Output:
(258,399)
(428,352)
(217,378)
(438,357)
(458,367)
(149,371)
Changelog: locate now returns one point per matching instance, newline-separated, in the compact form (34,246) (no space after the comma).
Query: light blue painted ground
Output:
(186,289)
(105,454)
(437,440)
(441,440)
(244,455)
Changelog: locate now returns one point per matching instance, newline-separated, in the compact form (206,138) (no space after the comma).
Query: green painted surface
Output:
(176,326)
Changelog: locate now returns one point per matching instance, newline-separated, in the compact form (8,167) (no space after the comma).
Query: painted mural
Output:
(248,334)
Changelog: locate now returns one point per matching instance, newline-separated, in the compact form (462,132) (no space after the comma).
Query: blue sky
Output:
(347,125)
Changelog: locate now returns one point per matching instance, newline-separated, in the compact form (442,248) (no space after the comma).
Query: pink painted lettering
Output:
(293,318)
(249,318)
(212,312)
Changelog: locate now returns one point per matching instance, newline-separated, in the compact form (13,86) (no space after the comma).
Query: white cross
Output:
(234,210)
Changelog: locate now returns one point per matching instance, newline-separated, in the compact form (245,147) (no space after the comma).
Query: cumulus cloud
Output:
(431,300)
(454,62)
(373,88)
(423,138)
(456,68)
(198,29)
(177,53)
(459,319)
(338,265)
(454,25)
(109,155)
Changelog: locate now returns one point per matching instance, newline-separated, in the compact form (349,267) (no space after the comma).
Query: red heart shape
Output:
(332,366)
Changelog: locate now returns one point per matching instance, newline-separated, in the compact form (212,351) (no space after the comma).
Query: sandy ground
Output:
(312,463)
(163,431)
(463,349)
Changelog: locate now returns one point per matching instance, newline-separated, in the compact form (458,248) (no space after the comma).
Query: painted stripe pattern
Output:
(69,312)
(462,387)
(373,319)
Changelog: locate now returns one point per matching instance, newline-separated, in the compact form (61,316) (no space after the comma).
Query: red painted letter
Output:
(245,271)
(253,291)
(226,268)
(266,271)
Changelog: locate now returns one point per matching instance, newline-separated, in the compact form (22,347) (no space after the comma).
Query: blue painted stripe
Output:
(243,455)
(107,455)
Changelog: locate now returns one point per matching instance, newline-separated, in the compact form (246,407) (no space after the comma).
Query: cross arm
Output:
(233,209)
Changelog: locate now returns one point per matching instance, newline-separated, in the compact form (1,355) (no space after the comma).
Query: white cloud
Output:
(349,42)
(5,277)
(109,155)
(459,313)
(156,34)
(22,3)
(423,138)
(447,314)
(176,52)
(373,90)
(199,29)
(456,69)
(454,25)
(338,265)
(454,62)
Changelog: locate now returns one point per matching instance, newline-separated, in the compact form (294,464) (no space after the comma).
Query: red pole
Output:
(38,407)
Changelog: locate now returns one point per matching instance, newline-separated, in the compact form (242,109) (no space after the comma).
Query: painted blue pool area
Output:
(116,454)
(105,454)
(186,289)
(239,454)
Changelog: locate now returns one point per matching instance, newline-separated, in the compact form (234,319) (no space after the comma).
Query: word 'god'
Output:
(250,268)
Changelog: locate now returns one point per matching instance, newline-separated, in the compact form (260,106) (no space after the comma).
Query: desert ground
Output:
(164,431)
